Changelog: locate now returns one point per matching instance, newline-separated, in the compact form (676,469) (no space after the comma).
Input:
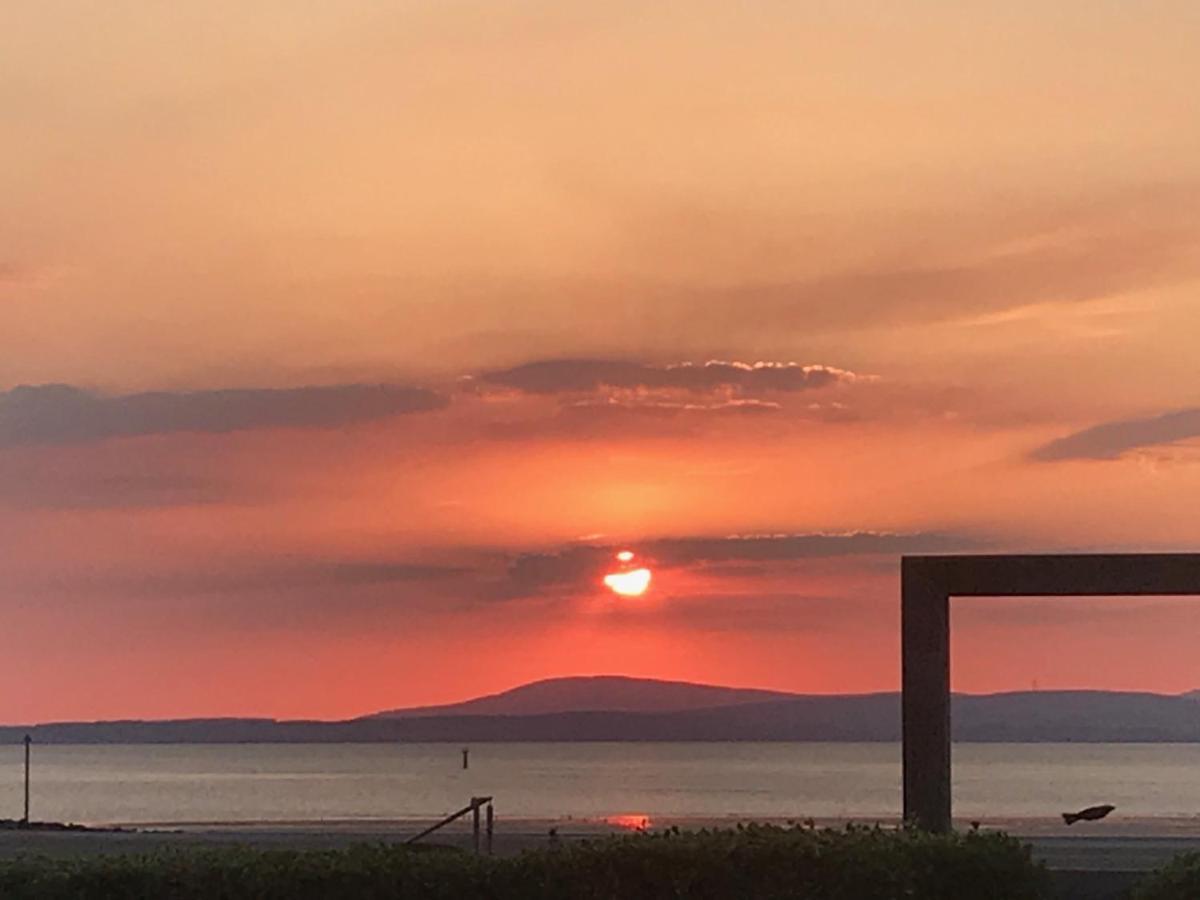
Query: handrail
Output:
(473,807)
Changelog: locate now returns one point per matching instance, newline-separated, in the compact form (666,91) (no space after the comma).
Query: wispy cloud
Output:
(590,375)
(1110,440)
(1105,245)
(669,408)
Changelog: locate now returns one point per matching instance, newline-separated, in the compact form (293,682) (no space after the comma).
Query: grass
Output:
(761,862)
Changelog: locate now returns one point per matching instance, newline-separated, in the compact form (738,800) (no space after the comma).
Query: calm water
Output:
(279,782)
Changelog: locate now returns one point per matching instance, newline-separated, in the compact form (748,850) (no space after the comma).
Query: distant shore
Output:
(731,715)
(23,825)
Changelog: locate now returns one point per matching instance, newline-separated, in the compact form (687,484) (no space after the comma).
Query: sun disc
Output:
(629,584)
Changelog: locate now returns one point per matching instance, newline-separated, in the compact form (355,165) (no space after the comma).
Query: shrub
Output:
(1179,880)
(761,862)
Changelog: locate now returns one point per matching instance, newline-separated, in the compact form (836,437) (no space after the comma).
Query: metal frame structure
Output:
(928,583)
(474,807)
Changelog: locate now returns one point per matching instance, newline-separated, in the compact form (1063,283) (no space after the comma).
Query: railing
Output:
(475,807)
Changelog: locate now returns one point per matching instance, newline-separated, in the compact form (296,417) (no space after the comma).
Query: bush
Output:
(1180,880)
(761,862)
(366,871)
(768,863)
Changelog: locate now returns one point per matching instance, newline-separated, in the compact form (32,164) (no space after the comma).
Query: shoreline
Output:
(534,828)
(1117,847)
(1114,826)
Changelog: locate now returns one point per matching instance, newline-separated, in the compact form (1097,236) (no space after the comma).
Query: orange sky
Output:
(339,346)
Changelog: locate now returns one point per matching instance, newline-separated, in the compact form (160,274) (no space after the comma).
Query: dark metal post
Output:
(925,628)
(28,741)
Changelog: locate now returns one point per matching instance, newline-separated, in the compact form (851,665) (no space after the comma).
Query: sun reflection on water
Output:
(630,821)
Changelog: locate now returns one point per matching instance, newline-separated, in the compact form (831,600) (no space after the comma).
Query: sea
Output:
(635,783)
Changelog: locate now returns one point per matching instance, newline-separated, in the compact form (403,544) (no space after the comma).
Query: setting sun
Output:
(629,584)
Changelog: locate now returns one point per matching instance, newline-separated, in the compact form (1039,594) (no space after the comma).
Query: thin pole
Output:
(475,801)
(491,827)
(28,741)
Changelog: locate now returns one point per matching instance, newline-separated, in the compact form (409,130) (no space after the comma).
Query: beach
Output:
(1127,846)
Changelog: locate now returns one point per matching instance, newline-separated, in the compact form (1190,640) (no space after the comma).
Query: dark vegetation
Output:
(762,862)
(1178,881)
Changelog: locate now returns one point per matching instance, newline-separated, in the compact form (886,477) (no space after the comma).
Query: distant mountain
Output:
(1191,695)
(674,711)
(594,693)
(1064,716)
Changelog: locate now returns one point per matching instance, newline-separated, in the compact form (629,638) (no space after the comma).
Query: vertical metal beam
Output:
(28,741)
(925,660)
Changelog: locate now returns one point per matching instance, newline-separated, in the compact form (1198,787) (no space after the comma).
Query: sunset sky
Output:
(342,345)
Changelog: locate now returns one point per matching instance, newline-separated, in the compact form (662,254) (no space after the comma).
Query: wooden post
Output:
(28,741)
(466,758)
(491,827)
(476,802)
(473,806)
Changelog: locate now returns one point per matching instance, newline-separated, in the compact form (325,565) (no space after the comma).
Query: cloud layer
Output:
(574,566)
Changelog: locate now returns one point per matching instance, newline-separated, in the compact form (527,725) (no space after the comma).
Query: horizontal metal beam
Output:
(1049,575)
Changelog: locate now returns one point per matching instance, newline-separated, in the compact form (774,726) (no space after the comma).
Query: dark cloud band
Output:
(61,414)
(1111,439)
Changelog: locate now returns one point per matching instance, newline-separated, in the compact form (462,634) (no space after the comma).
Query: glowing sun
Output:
(629,582)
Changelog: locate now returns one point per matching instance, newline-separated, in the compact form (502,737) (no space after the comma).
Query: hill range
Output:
(617,708)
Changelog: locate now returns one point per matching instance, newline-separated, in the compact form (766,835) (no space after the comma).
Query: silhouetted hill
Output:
(1042,716)
(592,693)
